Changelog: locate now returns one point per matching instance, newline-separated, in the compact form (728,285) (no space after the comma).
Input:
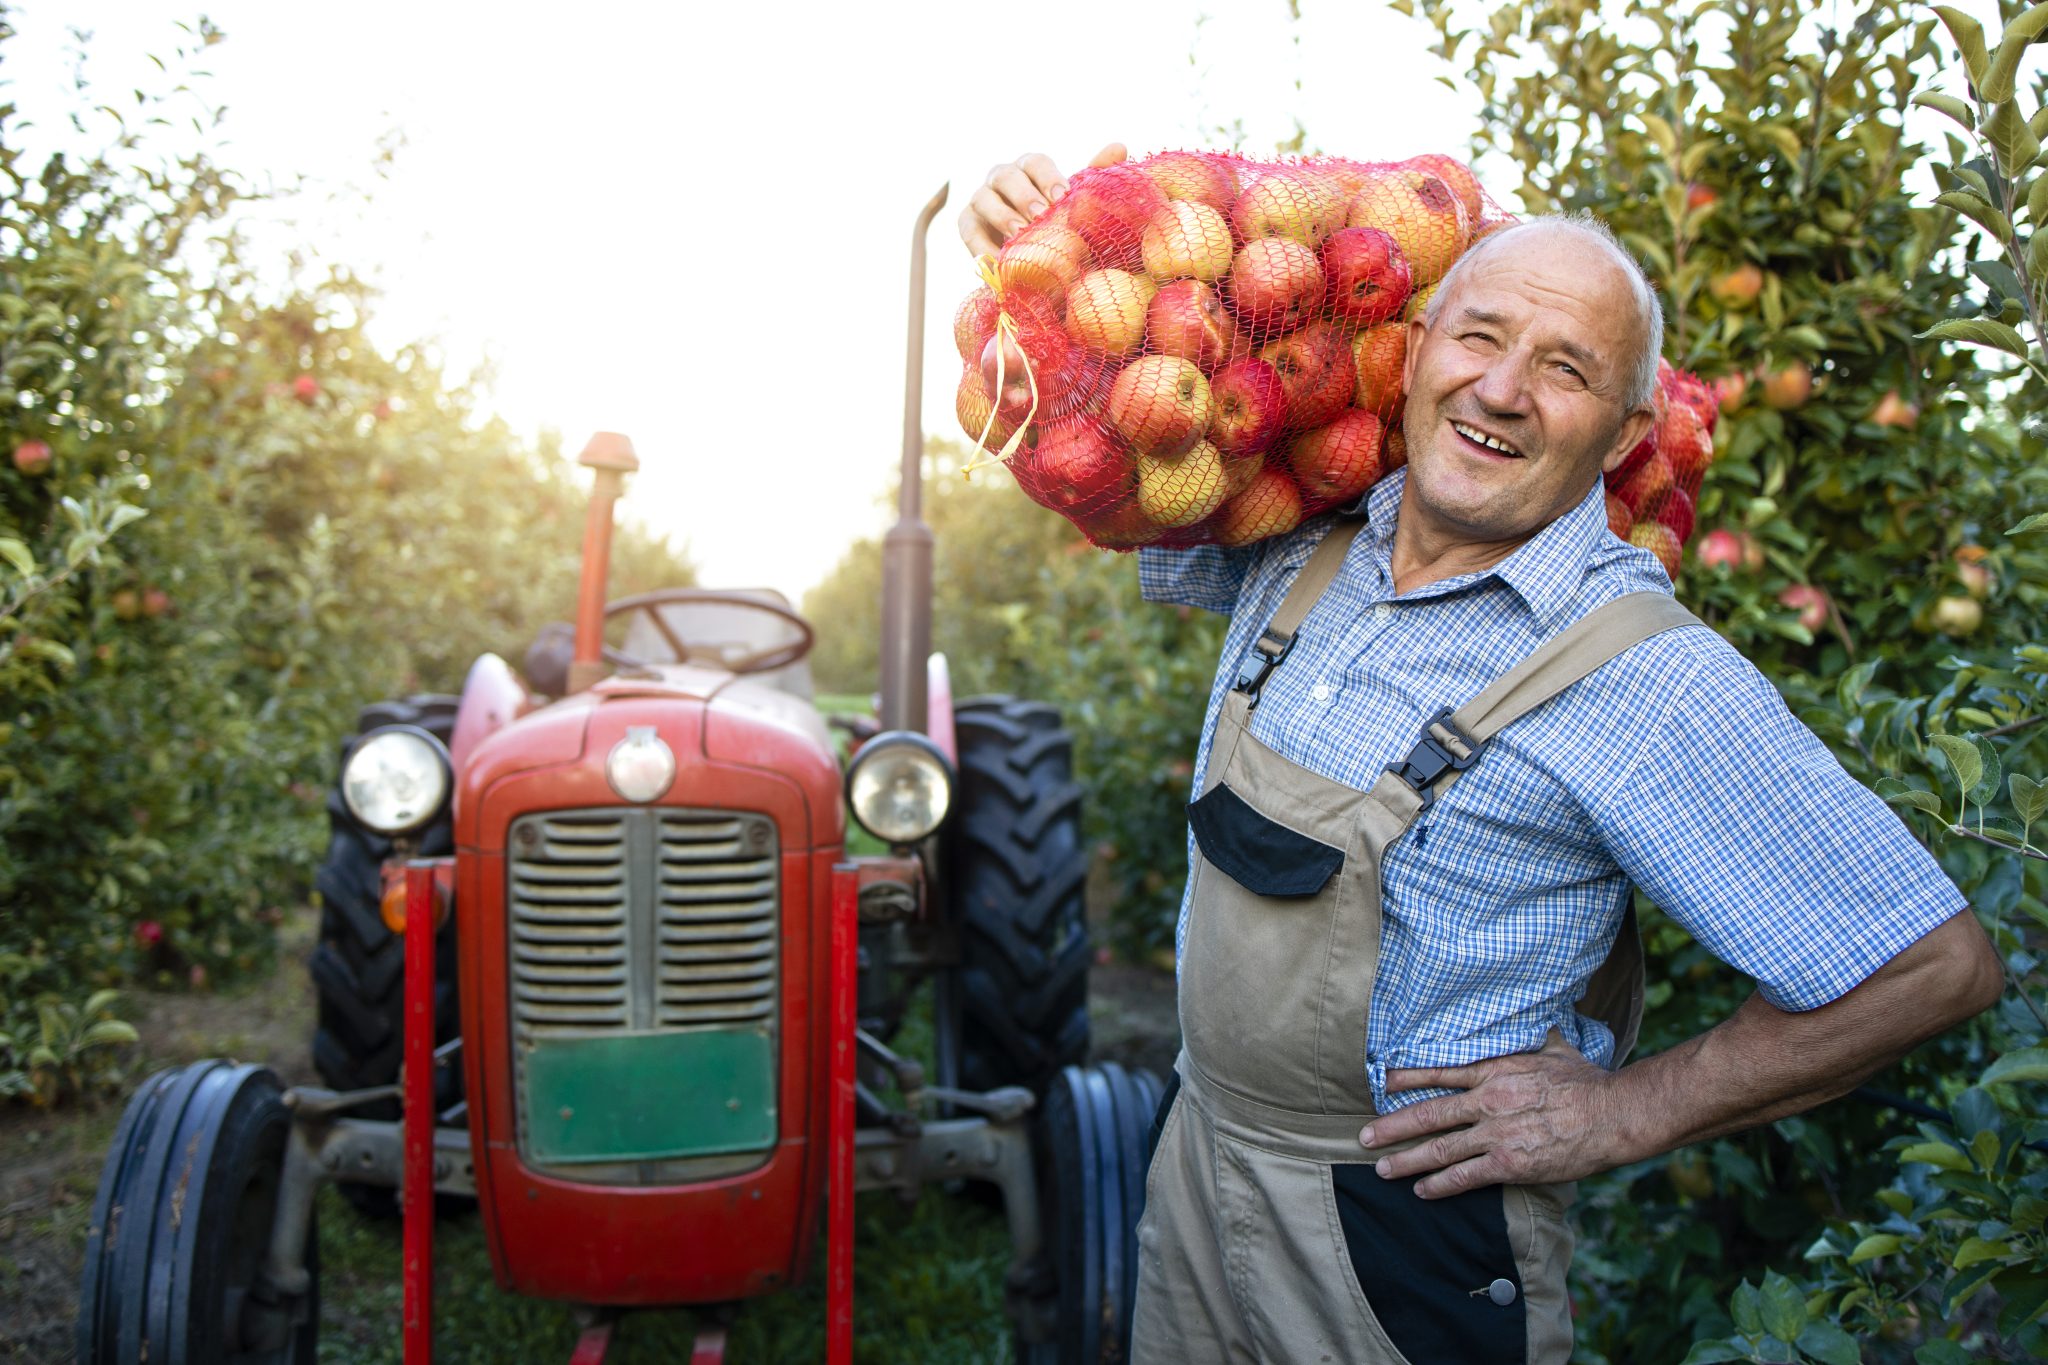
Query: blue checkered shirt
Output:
(1676,767)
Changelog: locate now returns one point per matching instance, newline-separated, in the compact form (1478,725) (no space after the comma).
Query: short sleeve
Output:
(1737,821)
(1207,576)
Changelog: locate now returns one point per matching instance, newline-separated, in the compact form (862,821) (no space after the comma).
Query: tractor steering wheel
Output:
(757,661)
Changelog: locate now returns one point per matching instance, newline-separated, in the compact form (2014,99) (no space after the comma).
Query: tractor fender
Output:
(492,698)
(938,724)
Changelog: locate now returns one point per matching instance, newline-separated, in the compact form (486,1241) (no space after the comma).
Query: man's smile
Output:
(1494,447)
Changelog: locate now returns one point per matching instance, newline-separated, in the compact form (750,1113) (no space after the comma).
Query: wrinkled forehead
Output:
(1555,285)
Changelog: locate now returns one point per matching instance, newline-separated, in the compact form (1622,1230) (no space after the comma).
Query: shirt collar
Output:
(1546,572)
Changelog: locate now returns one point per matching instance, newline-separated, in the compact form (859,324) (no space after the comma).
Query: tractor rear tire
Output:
(181,1229)
(1017,869)
(358,968)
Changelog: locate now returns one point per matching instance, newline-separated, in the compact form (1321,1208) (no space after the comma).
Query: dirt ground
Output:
(50,1162)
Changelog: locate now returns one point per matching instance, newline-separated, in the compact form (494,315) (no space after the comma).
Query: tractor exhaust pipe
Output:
(907,548)
(611,455)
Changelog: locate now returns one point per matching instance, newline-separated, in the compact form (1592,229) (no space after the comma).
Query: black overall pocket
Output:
(1420,1261)
(1259,853)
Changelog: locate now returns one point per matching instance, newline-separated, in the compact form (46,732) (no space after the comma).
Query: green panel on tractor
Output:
(649,1096)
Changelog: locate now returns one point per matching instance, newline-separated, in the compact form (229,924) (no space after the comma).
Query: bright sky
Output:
(690,223)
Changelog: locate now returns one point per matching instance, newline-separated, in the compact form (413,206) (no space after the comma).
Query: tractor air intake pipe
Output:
(907,548)
(611,455)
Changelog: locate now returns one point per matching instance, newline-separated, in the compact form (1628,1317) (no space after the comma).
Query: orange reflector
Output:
(393,907)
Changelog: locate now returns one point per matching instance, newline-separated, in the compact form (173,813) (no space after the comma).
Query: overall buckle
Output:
(1266,654)
(1443,748)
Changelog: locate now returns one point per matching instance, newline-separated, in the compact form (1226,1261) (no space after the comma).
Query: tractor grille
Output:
(716,921)
(569,904)
(643,919)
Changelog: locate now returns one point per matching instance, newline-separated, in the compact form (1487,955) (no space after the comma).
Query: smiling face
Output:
(1518,391)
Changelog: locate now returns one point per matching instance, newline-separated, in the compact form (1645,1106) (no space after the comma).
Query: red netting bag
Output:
(1651,496)
(1199,348)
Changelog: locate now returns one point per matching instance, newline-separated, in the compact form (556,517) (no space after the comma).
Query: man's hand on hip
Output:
(1531,1118)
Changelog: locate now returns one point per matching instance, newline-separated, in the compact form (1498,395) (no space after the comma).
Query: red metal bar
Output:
(594,1344)
(842,1013)
(416,1189)
(710,1347)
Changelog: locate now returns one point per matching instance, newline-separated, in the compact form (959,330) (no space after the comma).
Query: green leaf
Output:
(1969,38)
(1903,795)
(2031,524)
(2025,1296)
(1829,1344)
(16,553)
(1950,105)
(98,1003)
(1977,1249)
(108,1032)
(1986,788)
(1942,1351)
(2037,201)
(1875,1245)
(1978,210)
(2027,1064)
(1939,1154)
(2029,797)
(1784,1307)
(1997,83)
(1963,760)
(1849,691)
(1747,1309)
(2009,135)
(1714,1352)
(1978,332)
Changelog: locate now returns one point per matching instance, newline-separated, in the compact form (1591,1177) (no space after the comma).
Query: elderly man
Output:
(1405,1003)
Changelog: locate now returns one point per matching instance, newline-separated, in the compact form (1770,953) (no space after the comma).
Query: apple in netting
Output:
(1045,259)
(1106,311)
(1377,355)
(1250,407)
(975,323)
(1646,489)
(1179,490)
(1337,462)
(1187,240)
(1270,505)
(1658,540)
(1675,511)
(1076,465)
(1683,440)
(1193,177)
(1289,202)
(1455,174)
(1420,213)
(1109,206)
(1619,519)
(1119,525)
(1160,405)
(1276,284)
(976,409)
(1187,319)
(1315,373)
(1394,448)
(1366,274)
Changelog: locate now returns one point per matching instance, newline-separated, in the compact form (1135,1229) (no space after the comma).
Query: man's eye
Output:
(1570,371)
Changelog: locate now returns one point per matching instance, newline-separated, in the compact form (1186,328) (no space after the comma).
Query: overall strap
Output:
(1453,740)
(1277,639)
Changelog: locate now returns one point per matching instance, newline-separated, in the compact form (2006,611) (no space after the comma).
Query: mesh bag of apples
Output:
(1202,348)
(1651,496)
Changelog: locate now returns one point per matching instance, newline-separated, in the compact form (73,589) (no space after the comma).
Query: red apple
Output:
(1077,466)
(1659,541)
(1193,177)
(1683,440)
(1737,288)
(1337,462)
(1752,552)
(32,457)
(306,388)
(1893,411)
(1186,240)
(1728,391)
(1810,602)
(1790,387)
(1187,319)
(1645,490)
(1316,373)
(1421,214)
(1976,579)
(1044,258)
(1276,284)
(1619,519)
(1367,275)
(1457,175)
(1674,510)
(1290,202)
(155,601)
(1700,196)
(1160,405)
(1121,525)
(1394,453)
(975,322)
(1251,407)
(1270,505)
(148,933)
(1377,356)
(1109,206)
(1721,550)
(1106,311)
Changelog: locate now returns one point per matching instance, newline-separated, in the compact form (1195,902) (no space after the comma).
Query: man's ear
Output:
(1633,429)
(1417,330)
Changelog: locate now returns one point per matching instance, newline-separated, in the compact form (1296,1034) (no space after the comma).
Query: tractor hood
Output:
(704,715)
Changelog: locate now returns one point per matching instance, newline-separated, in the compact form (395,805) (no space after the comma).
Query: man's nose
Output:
(1503,386)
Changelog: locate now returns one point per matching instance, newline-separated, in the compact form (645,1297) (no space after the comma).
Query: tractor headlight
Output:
(397,779)
(899,786)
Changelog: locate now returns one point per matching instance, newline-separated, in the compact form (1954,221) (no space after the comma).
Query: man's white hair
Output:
(1639,364)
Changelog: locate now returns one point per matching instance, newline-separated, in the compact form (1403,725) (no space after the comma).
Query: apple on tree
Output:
(32,458)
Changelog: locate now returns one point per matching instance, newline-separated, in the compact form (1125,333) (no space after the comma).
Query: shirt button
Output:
(1501,1292)
(1382,612)
(1321,691)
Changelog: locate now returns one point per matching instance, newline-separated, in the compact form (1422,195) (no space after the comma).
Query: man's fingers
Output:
(1419,1120)
(975,233)
(1480,1171)
(1438,1077)
(1111,155)
(998,218)
(1439,1152)
(1045,177)
(1019,192)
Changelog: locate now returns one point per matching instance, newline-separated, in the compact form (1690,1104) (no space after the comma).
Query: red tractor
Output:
(594,953)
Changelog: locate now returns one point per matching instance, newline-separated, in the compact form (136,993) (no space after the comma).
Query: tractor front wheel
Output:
(1017,867)
(174,1258)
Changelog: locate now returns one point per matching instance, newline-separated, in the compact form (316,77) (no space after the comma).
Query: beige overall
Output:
(1266,1234)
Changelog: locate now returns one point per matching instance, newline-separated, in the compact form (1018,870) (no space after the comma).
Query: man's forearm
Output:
(1764,1063)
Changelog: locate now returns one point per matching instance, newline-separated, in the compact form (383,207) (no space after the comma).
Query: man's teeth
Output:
(1481,438)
